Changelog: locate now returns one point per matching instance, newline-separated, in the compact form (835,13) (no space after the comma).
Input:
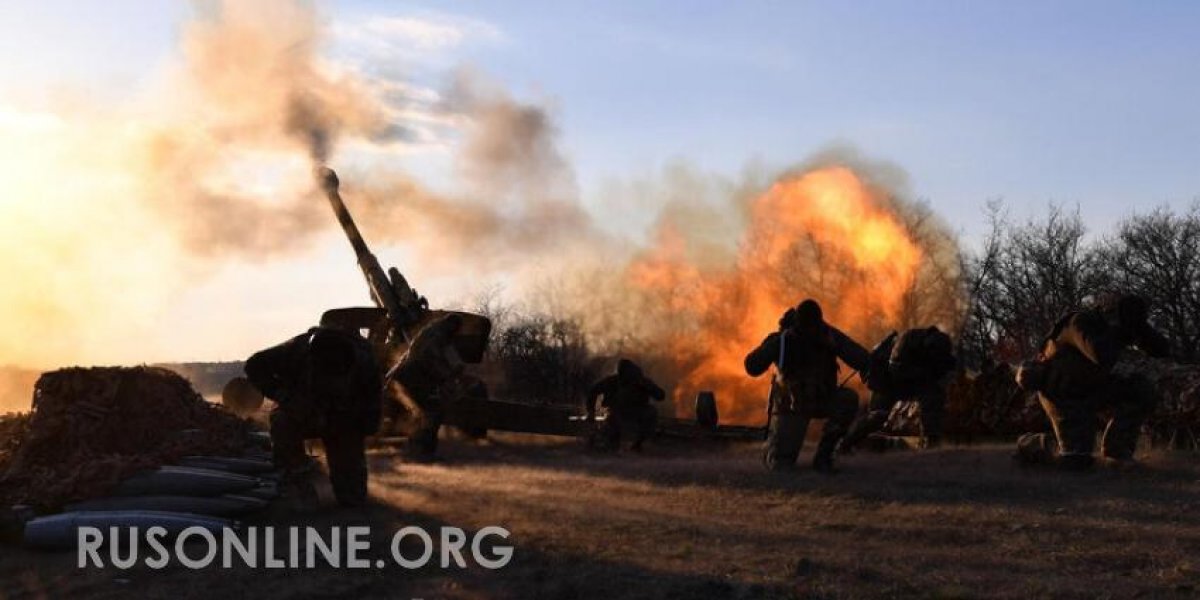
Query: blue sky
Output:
(1095,103)
(1089,103)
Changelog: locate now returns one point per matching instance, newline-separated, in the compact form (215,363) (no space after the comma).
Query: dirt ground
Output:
(699,521)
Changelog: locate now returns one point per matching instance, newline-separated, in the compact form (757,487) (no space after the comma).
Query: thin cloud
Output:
(412,36)
(389,53)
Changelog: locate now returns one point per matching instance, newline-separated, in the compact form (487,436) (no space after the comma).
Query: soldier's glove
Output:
(1031,376)
(280,397)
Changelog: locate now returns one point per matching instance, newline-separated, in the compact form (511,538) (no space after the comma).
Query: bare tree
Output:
(936,295)
(1028,276)
(1157,255)
(490,303)
(543,360)
(977,335)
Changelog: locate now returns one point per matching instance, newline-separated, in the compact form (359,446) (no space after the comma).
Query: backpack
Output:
(806,369)
(920,354)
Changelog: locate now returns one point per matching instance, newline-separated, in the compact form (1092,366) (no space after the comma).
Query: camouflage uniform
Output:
(627,396)
(334,395)
(805,387)
(914,365)
(1075,381)
(425,373)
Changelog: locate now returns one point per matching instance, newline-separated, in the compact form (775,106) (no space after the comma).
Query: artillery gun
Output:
(398,314)
(399,311)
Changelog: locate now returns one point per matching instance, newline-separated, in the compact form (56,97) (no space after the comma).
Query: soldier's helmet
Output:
(627,369)
(809,315)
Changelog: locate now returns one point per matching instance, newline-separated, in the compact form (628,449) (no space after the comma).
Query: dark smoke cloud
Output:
(252,79)
(220,170)
(511,146)
(519,200)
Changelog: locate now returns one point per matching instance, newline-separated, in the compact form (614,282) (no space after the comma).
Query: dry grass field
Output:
(704,521)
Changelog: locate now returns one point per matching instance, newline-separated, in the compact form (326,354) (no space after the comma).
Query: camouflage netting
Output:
(90,428)
(978,405)
(990,403)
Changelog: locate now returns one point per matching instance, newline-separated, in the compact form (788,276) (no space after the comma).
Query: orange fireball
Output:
(825,234)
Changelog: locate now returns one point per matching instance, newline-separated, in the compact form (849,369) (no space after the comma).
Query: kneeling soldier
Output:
(913,365)
(326,384)
(805,351)
(627,395)
(1074,379)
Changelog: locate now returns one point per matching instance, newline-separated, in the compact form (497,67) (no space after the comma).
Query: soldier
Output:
(913,365)
(325,384)
(426,374)
(627,395)
(805,386)
(1074,379)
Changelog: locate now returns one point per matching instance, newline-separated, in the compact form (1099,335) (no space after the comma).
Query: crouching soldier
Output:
(805,386)
(627,395)
(913,365)
(427,374)
(325,384)
(1074,379)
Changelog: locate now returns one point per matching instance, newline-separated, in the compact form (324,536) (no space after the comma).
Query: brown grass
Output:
(696,521)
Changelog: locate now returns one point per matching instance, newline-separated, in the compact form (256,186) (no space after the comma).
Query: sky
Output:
(1095,103)
(1088,103)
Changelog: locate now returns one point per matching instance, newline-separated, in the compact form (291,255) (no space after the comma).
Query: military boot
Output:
(823,459)
(12,522)
(1035,449)
(1121,464)
(297,489)
(1076,462)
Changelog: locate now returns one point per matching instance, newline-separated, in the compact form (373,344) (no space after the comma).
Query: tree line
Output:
(1027,274)
(1000,297)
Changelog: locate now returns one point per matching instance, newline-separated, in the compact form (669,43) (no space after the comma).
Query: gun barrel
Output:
(382,291)
(344,219)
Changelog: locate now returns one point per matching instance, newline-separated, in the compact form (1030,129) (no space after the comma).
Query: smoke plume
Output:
(714,278)
(110,213)
(518,199)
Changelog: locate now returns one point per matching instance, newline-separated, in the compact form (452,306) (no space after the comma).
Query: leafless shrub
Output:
(936,296)
(1026,277)
(1157,255)
(542,359)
